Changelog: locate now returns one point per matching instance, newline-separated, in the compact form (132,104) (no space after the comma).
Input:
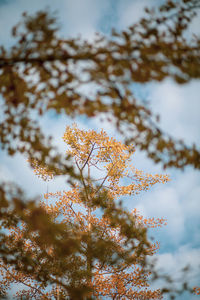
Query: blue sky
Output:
(178,106)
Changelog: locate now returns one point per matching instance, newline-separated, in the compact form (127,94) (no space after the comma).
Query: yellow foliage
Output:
(105,168)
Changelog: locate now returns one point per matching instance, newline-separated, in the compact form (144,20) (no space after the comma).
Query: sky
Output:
(178,106)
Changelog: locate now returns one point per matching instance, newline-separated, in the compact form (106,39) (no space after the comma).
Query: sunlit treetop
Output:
(108,161)
(105,164)
(113,244)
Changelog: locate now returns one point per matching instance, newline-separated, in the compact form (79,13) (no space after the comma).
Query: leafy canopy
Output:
(44,72)
(106,249)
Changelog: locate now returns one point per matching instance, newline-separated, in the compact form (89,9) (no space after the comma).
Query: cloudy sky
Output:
(179,107)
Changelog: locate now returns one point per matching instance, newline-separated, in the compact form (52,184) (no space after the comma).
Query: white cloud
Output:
(177,201)
(75,17)
(194,27)
(130,12)
(22,174)
(83,17)
(6,174)
(179,108)
(192,202)
(164,202)
(10,15)
(173,263)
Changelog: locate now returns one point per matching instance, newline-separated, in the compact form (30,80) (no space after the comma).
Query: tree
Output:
(153,49)
(16,257)
(112,255)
